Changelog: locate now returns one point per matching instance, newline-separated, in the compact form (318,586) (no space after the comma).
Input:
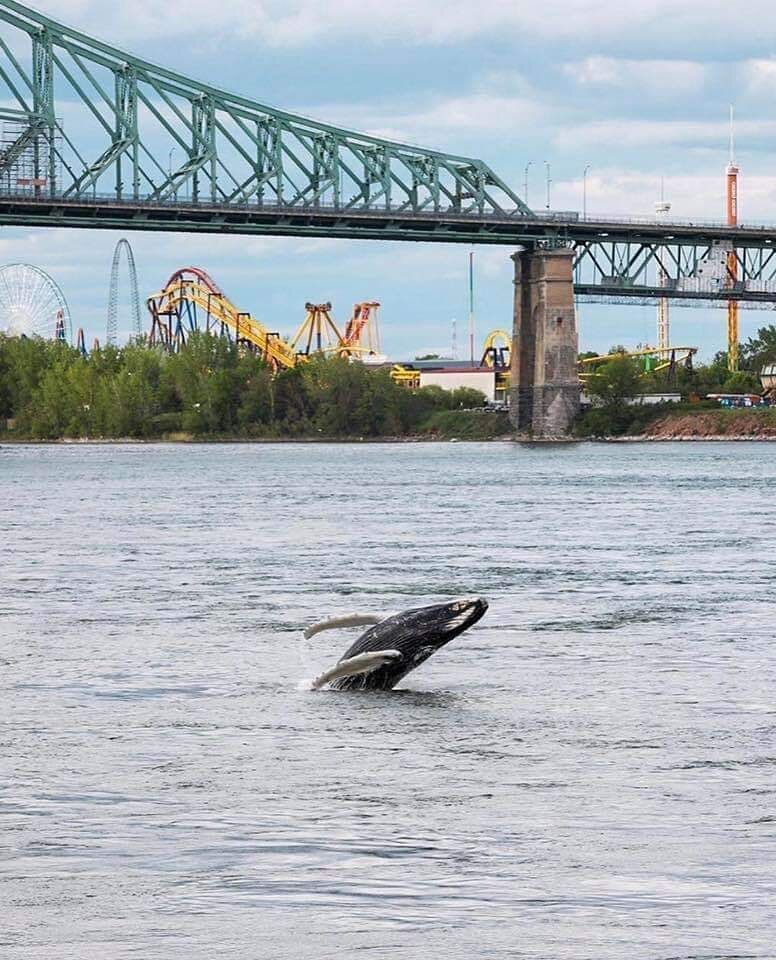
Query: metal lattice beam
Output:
(120,121)
(614,270)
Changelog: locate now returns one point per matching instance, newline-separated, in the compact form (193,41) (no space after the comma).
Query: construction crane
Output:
(662,209)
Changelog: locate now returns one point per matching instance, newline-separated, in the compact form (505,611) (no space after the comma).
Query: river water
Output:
(589,773)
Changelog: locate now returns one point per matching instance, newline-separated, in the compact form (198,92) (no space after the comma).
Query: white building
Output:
(476,378)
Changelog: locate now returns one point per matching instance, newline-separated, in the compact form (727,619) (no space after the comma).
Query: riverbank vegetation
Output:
(614,384)
(211,390)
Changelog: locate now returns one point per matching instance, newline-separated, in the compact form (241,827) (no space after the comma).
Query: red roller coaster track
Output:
(195,273)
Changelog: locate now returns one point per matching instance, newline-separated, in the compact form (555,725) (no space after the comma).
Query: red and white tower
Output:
(731,218)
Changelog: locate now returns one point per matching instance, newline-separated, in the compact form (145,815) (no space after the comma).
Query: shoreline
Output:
(188,441)
(352,441)
(712,438)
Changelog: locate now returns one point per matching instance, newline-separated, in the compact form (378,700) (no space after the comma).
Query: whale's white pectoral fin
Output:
(350,620)
(361,663)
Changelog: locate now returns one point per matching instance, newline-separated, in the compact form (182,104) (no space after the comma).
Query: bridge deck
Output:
(442,227)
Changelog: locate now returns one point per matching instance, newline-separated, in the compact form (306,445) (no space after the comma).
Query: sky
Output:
(638,91)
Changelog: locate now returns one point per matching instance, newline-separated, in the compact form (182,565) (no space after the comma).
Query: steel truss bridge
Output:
(94,137)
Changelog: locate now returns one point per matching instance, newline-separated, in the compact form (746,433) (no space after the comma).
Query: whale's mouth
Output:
(464,613)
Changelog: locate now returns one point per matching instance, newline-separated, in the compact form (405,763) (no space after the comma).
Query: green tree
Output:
(466,398)
(337,388)
(742,382)
(707,378)
(416,406)
(292,405)
(206,383)
(759,350)
(615,382)
(255,412)
(26,360)
(379,410)
(612,385)
(211,387)
(55,409)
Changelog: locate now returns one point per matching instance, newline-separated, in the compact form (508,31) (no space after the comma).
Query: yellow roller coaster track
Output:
(665,358)
(495,350)
(191,293)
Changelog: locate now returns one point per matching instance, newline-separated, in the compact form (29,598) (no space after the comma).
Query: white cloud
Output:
(433,122)
(692,196)
(693,134)
(300,22)
(760,76)
(639,77)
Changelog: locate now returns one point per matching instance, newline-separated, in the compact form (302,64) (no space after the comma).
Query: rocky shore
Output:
(748,424)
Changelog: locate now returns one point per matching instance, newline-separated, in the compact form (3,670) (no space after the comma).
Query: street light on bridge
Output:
(525,181)
(169,170)
(547,165)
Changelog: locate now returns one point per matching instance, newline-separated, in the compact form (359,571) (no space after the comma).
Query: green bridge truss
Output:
(134,117)
(694,273)
(91,136)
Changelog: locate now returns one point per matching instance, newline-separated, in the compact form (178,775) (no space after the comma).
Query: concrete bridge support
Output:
(545,385)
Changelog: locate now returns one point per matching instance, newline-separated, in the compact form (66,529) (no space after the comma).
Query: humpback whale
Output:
(394,645)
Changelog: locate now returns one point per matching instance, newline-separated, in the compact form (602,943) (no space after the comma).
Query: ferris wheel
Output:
(32,305)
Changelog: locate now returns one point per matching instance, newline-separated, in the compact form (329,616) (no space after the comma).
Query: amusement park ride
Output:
(652,360)
(191,300)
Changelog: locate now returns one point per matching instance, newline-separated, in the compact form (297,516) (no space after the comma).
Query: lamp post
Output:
(584,190)
(549,181)
(525,181)
(169,169)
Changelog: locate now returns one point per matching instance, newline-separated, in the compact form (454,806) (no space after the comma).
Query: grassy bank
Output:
(676,420)
(467,425)
(622,419)
(445,425)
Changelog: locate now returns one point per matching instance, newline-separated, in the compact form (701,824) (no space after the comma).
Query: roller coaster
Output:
(652,359)
(191,300)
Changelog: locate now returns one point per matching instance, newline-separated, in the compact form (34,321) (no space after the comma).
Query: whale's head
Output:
(416,635)
(435,625)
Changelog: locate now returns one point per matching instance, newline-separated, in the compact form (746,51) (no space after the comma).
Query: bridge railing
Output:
(559,218)
(666,225)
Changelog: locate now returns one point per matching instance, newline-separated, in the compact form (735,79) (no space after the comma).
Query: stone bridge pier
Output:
(544,392)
